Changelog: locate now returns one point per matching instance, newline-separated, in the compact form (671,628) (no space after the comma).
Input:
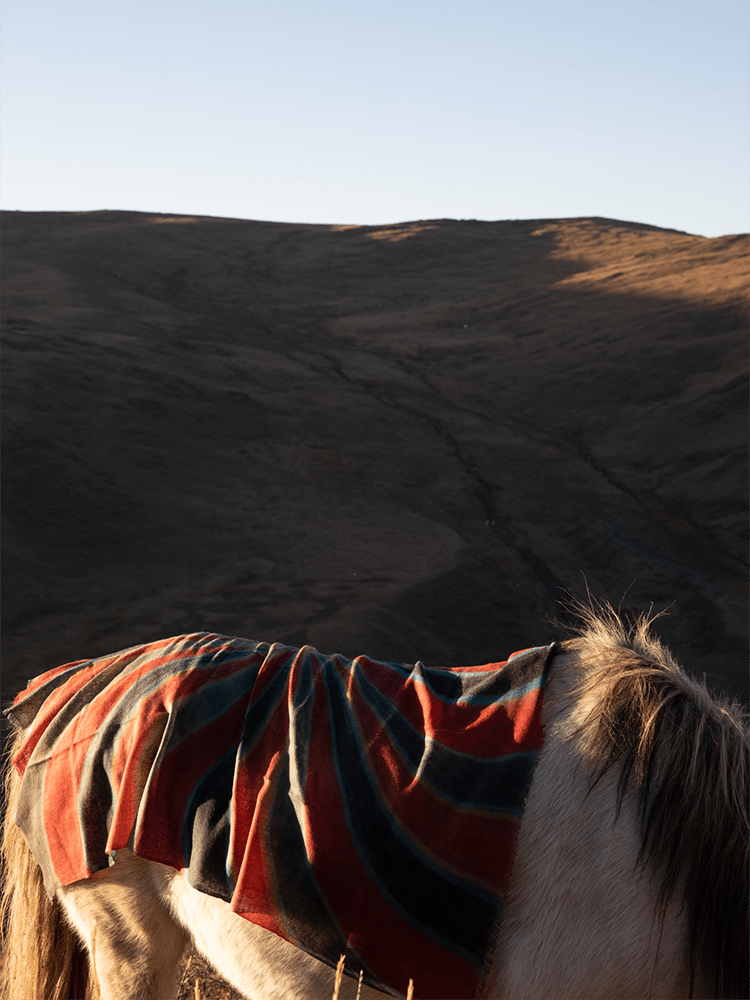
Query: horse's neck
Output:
(580,920)
(559,699)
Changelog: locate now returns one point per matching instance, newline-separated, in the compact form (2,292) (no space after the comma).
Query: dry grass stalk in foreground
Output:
(340,976)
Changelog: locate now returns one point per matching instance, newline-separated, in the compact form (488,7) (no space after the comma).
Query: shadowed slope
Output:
(400,440)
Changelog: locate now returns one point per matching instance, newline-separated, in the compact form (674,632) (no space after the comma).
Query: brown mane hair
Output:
(685,755)
(42,956)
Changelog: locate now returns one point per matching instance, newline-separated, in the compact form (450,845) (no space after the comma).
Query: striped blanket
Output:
(350,806)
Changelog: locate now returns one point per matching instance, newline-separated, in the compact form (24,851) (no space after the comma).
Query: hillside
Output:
(403,440)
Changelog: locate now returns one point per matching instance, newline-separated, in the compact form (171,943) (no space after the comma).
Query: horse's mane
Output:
(685,755)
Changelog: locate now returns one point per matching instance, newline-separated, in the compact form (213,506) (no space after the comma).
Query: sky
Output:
(379,111)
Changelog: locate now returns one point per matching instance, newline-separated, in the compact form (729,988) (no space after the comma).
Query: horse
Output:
(629,868)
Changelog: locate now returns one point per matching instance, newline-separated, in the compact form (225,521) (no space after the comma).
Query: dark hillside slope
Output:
(401,440)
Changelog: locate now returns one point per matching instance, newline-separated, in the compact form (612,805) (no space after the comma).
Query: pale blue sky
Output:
(376,111)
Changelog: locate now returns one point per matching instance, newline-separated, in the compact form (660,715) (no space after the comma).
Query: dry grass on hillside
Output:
(198,981)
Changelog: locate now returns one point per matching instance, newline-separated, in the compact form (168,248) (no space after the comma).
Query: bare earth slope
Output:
(400,440)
